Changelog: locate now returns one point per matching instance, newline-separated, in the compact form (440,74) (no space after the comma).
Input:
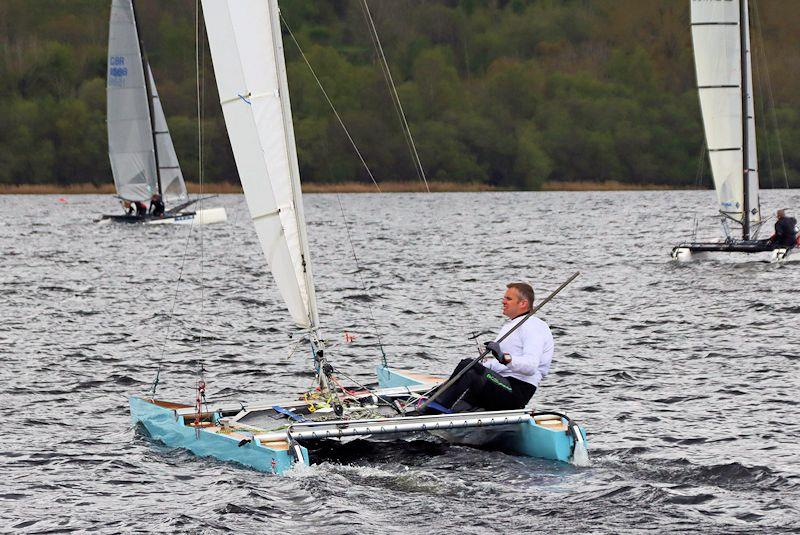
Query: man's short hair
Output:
(524,290)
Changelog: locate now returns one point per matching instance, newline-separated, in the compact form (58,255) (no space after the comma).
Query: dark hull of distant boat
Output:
(200,217)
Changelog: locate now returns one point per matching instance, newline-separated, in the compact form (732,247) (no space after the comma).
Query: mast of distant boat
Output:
(745,120)
(150,97)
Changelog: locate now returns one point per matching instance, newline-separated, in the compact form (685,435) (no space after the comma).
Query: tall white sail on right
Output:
(716,37)
(246,48)
(130,136)
(173,188)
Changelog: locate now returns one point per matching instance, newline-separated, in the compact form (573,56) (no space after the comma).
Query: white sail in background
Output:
(247,51)
(716,37)
(130,136)
(173,188)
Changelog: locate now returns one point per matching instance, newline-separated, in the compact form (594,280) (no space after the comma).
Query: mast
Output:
(147,87)
(745,120)
(283,90)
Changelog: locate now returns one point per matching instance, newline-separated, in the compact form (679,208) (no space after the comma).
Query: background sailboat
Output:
(247,50)
(143,159)
(723,63)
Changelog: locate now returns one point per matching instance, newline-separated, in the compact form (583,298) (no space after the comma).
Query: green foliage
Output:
(510,92)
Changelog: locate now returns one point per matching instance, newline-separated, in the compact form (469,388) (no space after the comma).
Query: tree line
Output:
(510,93)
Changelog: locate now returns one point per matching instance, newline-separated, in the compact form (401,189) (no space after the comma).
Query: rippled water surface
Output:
(686,377)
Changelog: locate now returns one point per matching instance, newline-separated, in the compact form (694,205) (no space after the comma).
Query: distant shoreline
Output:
(342,187)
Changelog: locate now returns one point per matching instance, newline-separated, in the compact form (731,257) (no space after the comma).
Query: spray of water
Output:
(580,457)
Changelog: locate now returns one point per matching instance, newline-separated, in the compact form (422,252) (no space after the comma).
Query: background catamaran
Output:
(721,42)
(245,41)
(143,159)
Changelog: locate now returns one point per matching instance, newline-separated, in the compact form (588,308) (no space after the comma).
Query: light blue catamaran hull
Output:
(229,433)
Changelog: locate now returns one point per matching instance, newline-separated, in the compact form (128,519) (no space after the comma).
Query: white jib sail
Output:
(247,51)
(716,37)
(173,188)
(130,136)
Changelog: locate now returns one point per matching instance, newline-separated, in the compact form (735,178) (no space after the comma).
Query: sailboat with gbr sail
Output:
(272,436)
(140,148)
(723,62)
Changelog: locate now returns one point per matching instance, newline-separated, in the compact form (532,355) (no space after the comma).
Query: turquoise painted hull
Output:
(545,435)
(528,438)
(164,425)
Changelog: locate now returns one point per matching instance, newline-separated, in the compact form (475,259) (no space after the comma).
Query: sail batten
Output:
(728,112)
(248,62)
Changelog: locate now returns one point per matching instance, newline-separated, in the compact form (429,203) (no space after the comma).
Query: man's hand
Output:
(501,357)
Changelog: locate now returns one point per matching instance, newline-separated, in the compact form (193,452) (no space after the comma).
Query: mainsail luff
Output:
(148,84)
(721,48)
(131,146)
(294,168)
(248,63)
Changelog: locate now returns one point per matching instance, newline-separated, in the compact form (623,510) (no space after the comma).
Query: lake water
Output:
(686,377)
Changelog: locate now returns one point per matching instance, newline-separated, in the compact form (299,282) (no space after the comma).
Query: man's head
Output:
(518,299)
(781,213)
(155,197)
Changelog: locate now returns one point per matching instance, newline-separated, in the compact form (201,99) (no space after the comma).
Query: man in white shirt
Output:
(509,380)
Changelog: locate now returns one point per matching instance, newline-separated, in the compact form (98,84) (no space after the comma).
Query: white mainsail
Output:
(130,135)
(173,188)
(717,39)
(247,51)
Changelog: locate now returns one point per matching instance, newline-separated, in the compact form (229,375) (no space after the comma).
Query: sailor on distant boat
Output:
(141,208)
(127,207)
(156,205)
(522,360)
(785,230)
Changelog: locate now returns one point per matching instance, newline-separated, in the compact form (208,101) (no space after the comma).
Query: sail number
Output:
(117,66)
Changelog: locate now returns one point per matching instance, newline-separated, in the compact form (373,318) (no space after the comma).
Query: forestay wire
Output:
(407,134)
(190,230)
(387,74)
(363,284)
(766,77)
(330,103)
(373,33)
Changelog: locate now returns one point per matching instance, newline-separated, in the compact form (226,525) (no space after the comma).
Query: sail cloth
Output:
(247,52)
(716,37)
(173,188)
(130,135)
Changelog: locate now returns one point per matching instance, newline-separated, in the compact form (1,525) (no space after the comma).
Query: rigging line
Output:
(368,389)
(765,134)
(175,297)
(330,103)
(376,40)
(183,261)
(361,277)
(387,76)
(701,164)
(198,91)
(771,97)
(759,69)
(406,128)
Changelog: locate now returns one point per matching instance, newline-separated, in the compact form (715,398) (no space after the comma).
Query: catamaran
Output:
(721,42)
(143,158)
(272,436)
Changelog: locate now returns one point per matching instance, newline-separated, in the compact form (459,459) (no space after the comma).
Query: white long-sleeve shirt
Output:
(530,348)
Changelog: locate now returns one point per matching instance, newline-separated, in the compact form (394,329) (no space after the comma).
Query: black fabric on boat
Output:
(482,387)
